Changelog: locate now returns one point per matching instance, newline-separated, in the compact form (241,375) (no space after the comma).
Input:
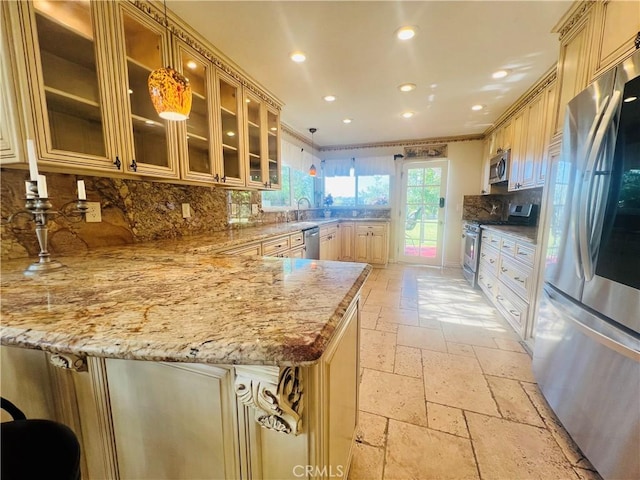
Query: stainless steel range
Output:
(525,214)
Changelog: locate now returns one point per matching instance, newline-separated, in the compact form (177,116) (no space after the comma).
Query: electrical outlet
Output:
(186,210)
(93,214)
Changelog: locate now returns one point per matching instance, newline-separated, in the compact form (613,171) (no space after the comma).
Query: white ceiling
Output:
(352,53)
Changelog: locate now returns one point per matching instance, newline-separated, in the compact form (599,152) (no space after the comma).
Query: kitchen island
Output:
(174,364)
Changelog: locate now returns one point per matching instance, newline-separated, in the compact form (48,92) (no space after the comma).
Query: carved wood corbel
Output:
(278,403)
(68,361)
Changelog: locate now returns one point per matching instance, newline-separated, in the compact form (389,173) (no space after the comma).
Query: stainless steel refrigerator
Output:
(587,346)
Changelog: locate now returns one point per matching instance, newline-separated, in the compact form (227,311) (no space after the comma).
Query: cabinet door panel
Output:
(254,130)
(69,75)
(619,25)
(144,44)
(196,133)
(273,148)
(230,169)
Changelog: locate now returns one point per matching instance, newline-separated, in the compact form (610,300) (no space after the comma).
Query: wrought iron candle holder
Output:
(41,209)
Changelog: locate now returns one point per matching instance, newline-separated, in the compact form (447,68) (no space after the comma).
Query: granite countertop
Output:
(163,302)
(526,233)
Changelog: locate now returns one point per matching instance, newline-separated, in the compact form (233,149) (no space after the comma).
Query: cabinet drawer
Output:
(253,249)
(490,257)
(507,246)
(487,281)
(525,253)
(328,230)
(275,246)
(296,239)
(485,237)
(514,309)
(517,277)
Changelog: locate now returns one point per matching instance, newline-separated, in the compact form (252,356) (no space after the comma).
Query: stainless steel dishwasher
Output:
(312,243)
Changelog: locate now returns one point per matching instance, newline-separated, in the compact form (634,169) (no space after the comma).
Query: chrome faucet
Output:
(303,198)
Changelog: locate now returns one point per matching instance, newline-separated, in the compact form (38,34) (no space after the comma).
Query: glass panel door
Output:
(255,153)
(273,145)
(424,187)
(66,40)
(230,170)
(197,70)
(144,43)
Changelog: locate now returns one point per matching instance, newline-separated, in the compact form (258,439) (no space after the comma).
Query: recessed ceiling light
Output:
(477,108)
(500,74)
(192,65)
(408,114)
(405,33)
(298,57)
(330,98)
(630,99)
(346,120)
(407,87)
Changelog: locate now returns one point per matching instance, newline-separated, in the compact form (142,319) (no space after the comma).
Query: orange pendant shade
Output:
(170,93)
(312,171)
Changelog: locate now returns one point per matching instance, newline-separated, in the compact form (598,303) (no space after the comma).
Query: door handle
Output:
(441,202)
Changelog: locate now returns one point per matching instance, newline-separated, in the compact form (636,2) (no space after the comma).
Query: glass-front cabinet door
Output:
(143,46)
(68,70)
(273,149)
(195,134)
(230,169)
(255,126)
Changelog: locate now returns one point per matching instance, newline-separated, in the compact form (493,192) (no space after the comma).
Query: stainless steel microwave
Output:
(499,168)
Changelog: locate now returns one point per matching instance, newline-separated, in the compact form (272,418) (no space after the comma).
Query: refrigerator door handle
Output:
(569,311)
(577,198)
(584,224)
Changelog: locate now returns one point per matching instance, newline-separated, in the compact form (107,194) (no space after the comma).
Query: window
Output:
(365,190)
(295,185)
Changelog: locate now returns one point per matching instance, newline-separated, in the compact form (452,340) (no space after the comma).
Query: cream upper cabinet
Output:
(262,128)
(195,135)
(143,46)
(231,166)
(518,153)
(618,24)
(548,116)
(485,186)
(71,79)
(574,62)
(11,122)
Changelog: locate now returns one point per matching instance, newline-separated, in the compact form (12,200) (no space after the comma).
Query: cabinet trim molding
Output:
(183,35)
(278,403)
(571,18)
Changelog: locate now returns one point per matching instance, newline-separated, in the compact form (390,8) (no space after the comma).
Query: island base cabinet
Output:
(159,420)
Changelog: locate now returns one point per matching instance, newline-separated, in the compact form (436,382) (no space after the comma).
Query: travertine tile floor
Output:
(447,390)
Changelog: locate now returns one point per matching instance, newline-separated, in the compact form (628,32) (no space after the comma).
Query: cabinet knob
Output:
(134,165)
(224,179)
(216,177)
(118,163)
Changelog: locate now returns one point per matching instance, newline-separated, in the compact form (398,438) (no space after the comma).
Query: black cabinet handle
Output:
(134,165)
(118,163)
(216,177)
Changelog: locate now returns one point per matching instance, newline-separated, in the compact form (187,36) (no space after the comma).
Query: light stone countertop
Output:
(160,301)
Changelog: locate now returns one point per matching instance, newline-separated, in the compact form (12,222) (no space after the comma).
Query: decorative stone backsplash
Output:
(496,207)
(132,211)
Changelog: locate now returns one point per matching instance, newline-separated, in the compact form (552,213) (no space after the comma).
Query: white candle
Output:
(42,187)
(82,193)
(33,160)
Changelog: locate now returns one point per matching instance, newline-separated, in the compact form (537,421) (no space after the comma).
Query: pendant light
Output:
(170,91)
(312,168)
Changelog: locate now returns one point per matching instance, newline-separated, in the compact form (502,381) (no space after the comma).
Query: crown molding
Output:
(536,89)
(405,143)
(181,30)
(295,134)
(574,15)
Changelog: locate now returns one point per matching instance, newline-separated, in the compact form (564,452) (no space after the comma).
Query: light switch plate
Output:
(94,213)
(186,210)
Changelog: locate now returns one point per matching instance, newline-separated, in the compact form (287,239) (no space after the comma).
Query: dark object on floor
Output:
(37,448)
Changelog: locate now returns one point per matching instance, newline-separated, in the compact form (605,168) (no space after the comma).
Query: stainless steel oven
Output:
(471,240)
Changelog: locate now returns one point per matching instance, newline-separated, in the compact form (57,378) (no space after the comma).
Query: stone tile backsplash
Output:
(496,207)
